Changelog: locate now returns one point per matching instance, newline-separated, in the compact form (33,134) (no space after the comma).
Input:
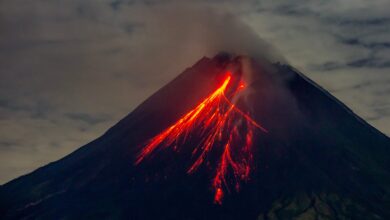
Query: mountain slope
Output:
(318,160)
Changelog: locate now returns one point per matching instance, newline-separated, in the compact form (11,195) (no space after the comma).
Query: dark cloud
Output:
(87,118)
(367,62)
(303,9)
(116,4)
(294,10)
(8,144)
(371,62)
(354,41)
(362,22)
(327,66)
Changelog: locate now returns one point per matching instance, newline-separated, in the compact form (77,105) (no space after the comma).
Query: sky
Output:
(69,70)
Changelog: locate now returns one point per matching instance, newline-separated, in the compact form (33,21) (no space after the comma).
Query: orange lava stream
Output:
(220,125)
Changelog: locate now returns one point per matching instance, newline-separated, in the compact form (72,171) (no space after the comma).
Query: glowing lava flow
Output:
(218,126)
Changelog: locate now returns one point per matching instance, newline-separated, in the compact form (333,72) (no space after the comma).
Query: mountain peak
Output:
(231,137)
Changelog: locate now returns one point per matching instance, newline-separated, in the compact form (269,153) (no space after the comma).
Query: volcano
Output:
(232,137)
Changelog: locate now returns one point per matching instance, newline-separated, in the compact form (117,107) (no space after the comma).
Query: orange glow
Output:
(242,85)
(220,126)
(218,196)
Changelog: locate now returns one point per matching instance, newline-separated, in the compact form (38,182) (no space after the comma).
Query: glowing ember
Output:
(220,126)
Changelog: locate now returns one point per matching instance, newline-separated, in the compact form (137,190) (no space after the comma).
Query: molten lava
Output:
(218,126)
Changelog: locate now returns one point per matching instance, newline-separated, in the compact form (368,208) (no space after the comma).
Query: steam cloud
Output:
(180,35)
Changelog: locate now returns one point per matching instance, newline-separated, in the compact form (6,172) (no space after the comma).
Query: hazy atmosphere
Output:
(69,70)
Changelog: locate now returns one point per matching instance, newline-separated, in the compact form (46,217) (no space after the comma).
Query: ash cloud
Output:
(186,33)
(191,32)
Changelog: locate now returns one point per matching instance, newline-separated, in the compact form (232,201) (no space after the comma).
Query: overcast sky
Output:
(71,69)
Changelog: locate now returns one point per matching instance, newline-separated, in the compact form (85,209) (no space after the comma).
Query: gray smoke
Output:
(183,34)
